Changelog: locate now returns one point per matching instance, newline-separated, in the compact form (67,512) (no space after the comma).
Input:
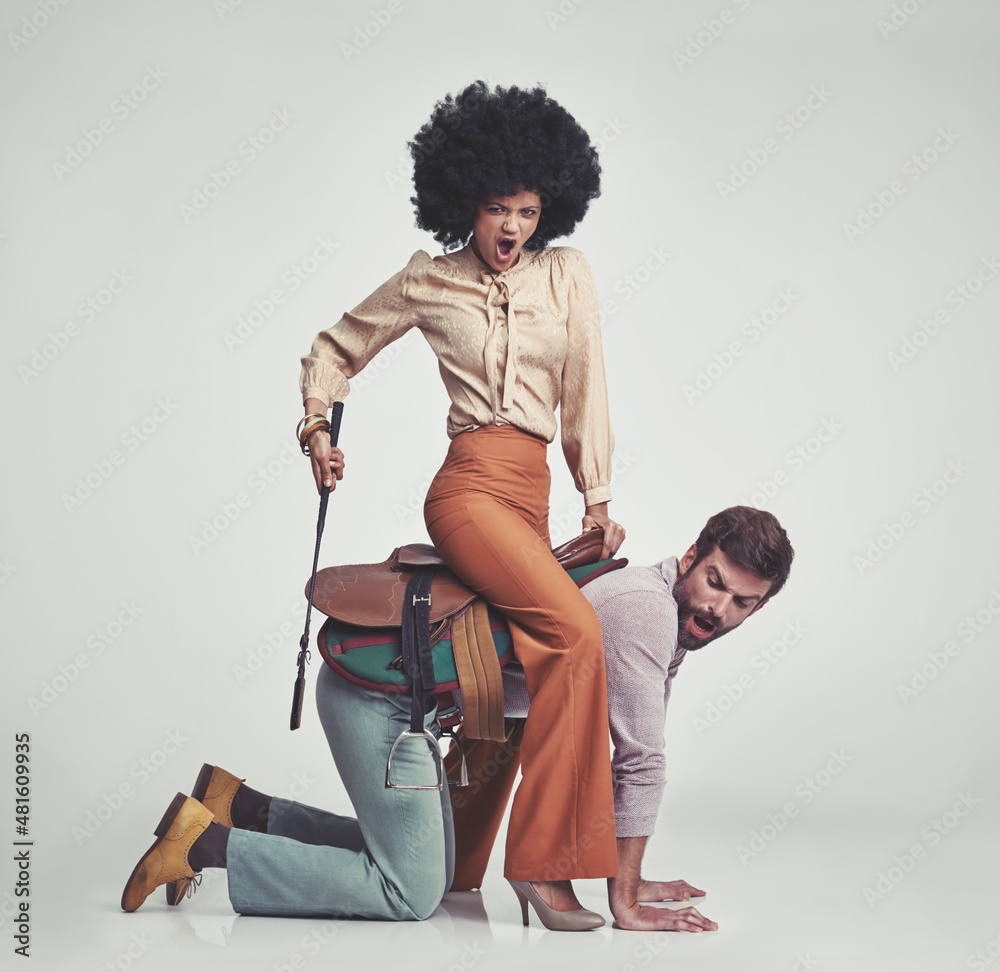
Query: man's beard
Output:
(686,611)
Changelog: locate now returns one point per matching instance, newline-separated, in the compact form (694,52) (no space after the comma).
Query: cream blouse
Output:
(511,348)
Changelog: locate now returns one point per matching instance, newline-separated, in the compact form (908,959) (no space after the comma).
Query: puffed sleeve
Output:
(587,439)
(340,352)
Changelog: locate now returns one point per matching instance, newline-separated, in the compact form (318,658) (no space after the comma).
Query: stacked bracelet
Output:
(306,427)
(304,421)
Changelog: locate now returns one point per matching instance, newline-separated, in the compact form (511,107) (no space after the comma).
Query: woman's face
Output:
(502,226)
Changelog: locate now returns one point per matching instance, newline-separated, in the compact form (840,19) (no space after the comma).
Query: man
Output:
(651,617)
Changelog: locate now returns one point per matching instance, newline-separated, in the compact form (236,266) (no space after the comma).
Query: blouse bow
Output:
(497,295)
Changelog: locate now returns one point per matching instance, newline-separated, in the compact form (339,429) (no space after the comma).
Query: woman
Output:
(516,330)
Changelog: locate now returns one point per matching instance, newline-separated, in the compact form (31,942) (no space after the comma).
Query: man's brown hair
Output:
(752,538)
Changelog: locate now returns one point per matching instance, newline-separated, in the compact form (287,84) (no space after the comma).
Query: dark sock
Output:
(209,850)
(250,809)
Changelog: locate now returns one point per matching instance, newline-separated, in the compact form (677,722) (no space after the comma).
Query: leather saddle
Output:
(372,595)
(415,591)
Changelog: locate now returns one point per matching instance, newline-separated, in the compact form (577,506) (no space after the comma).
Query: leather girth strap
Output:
(478,674)
(417,660)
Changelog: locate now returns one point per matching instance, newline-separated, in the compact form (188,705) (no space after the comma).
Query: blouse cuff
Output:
(598,494)
(317,392)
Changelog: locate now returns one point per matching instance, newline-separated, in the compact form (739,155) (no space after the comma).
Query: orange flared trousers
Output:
(487,514)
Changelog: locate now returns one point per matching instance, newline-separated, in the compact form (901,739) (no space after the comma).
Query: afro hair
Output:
(482,142)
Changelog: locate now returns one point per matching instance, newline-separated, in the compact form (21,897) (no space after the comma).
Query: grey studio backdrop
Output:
(796,249)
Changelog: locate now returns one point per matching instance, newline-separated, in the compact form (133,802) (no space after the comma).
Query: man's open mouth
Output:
(702,624)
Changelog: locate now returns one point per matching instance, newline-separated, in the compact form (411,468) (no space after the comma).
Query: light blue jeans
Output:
(395,861)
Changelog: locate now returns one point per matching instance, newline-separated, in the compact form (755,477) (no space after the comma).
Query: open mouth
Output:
(504,248)
(702,625)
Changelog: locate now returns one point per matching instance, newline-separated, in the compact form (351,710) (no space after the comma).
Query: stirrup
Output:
(463,769)
(411,734)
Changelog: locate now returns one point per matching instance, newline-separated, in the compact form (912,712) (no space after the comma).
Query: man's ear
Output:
(758,606)
(684,564)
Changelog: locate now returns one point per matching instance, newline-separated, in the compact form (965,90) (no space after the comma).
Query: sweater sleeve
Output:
(637,695)
(343,350)
(587,439)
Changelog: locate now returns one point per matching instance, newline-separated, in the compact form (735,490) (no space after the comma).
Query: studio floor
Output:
(800,905)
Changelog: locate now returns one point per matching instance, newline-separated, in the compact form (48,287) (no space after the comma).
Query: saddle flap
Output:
(371,595)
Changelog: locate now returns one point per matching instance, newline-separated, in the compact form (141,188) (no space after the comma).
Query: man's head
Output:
(741,559)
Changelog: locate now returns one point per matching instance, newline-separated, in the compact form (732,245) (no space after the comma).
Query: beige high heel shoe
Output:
(578,920)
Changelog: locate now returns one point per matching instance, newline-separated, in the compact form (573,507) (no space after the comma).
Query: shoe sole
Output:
(161,829)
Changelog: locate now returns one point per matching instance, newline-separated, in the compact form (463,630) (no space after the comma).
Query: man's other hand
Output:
(640,918)
(667,891)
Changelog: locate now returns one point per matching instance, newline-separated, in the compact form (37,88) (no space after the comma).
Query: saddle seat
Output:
(371,595)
